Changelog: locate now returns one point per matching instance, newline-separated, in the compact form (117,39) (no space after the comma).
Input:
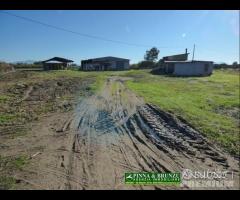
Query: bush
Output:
(28,66)
(146,65)
(134,66)
(235,65)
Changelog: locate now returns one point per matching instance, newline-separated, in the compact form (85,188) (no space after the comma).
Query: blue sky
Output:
(215,33)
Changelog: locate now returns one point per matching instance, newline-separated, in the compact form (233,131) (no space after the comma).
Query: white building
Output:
(105,63)
(179,65)
(188,68)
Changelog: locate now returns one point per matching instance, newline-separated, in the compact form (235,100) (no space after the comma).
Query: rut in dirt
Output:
(116,132)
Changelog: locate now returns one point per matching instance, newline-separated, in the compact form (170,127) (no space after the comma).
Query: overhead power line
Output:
(81,34)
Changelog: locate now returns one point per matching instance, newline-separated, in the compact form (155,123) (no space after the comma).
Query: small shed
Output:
(188,68)
(56,63)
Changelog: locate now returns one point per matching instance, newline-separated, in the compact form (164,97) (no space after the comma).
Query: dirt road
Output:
(111,133)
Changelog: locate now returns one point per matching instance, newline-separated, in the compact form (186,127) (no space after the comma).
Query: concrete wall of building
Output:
(89,66)
(193,69)
(126,65)
(54,66)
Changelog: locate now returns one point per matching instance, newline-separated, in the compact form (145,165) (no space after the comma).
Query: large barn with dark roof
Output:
(105,63)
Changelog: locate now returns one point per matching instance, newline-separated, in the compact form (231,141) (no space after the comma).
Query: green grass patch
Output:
(8,166)
(114,87)
(98,83)
(7,182)
(5,118)
(4,98)
(199,100)
(11,163)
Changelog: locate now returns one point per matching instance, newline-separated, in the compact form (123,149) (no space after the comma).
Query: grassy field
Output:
(210,104)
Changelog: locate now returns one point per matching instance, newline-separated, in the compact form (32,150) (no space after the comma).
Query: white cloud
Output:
(184,35)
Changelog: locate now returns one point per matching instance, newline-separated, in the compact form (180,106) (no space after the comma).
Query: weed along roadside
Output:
(10,165)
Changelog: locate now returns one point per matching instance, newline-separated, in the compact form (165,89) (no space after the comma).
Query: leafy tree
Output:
(152,54)
(235,63)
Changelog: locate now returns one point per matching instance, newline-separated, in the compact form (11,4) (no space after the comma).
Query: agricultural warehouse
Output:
(105,63)
(56,63)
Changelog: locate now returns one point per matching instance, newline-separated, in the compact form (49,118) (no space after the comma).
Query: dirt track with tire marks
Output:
(114,132)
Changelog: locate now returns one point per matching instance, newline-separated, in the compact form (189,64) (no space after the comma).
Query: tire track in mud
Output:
(116,132)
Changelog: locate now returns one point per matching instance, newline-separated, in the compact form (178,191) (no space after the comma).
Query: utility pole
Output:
(193,52)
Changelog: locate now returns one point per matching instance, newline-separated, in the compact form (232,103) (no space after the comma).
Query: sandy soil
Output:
(108,134)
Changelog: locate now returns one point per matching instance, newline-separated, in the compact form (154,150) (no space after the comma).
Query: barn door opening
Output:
(170,68)
(206,66)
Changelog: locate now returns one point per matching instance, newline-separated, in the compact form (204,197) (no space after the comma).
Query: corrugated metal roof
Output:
(183,54)
(58,59)
(106,58)
(53,61)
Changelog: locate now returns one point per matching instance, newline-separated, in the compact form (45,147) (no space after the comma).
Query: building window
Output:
(206,66)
